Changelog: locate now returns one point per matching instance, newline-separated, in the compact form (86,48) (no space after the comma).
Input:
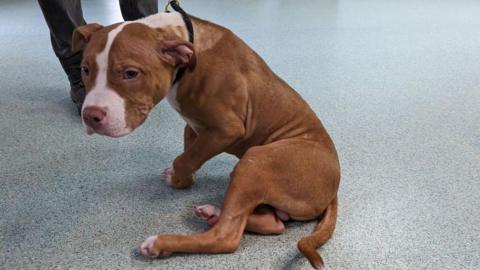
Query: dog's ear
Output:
(178,53)
(82,34)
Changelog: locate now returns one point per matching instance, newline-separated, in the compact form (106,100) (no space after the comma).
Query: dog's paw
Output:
(207,212)
(168,174)
(172,180)
(149,248)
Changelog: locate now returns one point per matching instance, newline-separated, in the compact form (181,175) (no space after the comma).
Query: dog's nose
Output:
(93,116)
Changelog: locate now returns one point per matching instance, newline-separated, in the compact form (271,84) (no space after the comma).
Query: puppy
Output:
(232,102)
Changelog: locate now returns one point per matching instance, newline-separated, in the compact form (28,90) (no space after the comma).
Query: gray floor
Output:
(397,84)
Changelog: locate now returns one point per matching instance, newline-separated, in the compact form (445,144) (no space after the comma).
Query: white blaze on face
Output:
(106,98)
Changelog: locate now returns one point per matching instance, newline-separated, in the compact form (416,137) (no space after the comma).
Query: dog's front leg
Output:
(189,137)
(207,144)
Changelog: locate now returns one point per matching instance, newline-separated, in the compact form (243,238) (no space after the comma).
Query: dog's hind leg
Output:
(263,220)
(243,195)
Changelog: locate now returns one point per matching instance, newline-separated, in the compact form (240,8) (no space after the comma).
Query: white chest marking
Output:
(172,100)
(172,97)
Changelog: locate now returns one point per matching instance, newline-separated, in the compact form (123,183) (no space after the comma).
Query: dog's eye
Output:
(85,70)
(130,73)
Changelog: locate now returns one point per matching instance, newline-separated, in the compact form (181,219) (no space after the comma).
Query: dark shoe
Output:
(77,93)
(71,66)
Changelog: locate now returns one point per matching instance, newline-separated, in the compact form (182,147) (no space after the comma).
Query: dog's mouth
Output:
(109,132)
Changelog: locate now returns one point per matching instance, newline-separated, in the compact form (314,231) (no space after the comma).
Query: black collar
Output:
(188,23)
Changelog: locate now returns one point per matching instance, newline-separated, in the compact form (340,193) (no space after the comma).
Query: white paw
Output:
(147,247)
(168,173)
(206,211)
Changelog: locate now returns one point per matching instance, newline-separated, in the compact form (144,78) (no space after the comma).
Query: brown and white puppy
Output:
(232,102)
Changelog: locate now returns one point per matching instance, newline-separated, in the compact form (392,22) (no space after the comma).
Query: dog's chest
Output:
(172,100)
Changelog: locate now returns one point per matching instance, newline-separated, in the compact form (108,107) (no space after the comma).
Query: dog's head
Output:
(128,68)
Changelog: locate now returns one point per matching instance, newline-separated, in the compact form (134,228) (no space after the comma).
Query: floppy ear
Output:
(81,35)
(178,53)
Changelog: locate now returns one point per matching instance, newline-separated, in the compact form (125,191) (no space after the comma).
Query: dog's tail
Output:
(323,231)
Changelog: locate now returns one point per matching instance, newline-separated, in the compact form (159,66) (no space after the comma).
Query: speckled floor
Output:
(397,84)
